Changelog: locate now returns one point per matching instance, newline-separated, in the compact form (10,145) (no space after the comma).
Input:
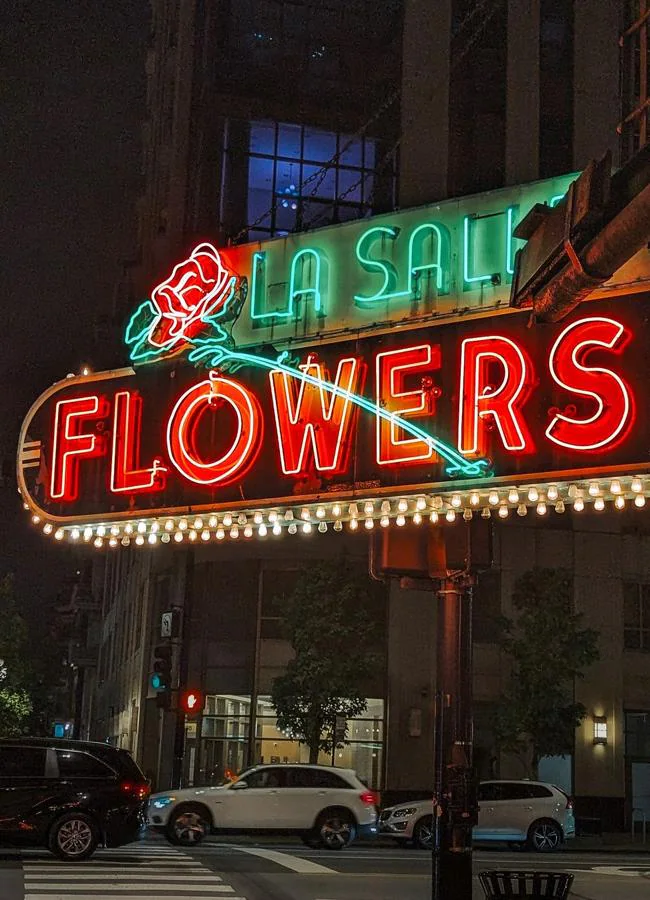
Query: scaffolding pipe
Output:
(626,234)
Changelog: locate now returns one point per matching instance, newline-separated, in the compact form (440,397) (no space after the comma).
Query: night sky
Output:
(72,107)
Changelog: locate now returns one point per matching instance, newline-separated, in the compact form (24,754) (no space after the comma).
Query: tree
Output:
(15,703)
(334,622)
(548,650)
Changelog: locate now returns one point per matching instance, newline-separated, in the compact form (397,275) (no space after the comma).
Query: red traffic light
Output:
(192,702)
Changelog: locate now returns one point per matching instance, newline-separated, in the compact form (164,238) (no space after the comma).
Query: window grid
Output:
(636,616)
(292,208)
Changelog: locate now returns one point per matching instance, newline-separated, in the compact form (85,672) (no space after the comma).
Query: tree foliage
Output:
(334,622)
(15,703)
(548,649)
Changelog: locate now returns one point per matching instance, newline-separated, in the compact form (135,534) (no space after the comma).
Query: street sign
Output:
(166,624)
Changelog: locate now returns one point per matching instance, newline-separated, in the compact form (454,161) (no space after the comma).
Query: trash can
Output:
(526,884)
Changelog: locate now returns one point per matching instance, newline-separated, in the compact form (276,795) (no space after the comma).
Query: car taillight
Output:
(569,802)
(139,789)
(369,798)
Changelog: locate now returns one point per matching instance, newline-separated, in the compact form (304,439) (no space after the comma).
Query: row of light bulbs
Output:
(361,513)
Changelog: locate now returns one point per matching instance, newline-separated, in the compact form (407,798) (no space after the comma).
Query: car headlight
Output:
(162,802)
(404,812)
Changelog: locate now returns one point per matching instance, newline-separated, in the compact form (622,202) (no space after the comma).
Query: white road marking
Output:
(294,863)
(102,886)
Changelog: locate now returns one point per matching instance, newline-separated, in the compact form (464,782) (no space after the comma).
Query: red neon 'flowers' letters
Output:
(70,443)
(126,476)
(610,394)
(480,398)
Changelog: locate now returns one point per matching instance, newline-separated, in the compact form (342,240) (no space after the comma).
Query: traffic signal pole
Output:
(183,670)
(455,799)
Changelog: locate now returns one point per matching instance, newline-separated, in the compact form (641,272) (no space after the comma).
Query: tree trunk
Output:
(313,753)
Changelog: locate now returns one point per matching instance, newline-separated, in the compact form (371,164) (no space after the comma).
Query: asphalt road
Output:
(285,870)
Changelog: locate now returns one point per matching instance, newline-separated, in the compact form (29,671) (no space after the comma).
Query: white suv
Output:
(533,813)
(327,807)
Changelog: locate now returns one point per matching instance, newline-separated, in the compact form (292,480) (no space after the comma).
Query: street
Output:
(285,870)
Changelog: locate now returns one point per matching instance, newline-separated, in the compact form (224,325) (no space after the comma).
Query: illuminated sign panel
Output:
(473,402)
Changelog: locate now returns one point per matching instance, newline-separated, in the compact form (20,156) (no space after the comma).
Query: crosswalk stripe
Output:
(125,876)
(112,896)
(73,888)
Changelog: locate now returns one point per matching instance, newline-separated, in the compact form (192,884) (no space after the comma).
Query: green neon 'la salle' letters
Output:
(306,263)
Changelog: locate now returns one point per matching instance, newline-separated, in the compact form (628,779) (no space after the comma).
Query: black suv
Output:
(69,796)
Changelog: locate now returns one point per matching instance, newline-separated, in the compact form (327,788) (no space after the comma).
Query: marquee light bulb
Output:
(58,534)
(36,519)
(153,538)
(112,542)
(450,515)
(354,524)
(456,501)
(336,510)
(288,516)
(468,515)
(227,520)
(98,542)
(533,494)
(437,503)
(234,532)
(417,518)
(139,540)
(74,534)
(619,503)
(636,485)
(305,514)
(192,535)
(142,527)
(320,512)
(486,513)
(385,507)
(205,535)
(384,521)
(420,504)
(599,504)
(594,489)
(155,527)
(475,498)
(258,518)
(178,537)
(306,528)
(433,518)
(541,508)
(182,524)
(353,510)
(639,500)
(402,505)
(552,492)
(368,507)
(262,530)
(248,531)
(273,517)
(128,528)
(573,491)
(559,506)
(115,530)
(47,528)
(241,519)
(400,520)
(322,527)
(493,498)
(277,529)
(578,504)
(513,496)
(88,533)
(338,525)
(503,511)
(212,521)
(220,534)
(101,531)
(615,486)
(165,538)
(293,528)
(369,524)
(522,510)
(126,541)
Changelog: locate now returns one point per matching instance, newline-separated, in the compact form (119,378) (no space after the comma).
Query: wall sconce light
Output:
(600,729)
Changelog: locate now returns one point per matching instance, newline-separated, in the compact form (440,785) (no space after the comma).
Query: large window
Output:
(287,189)
(225,730)
(637,733)
(636,616)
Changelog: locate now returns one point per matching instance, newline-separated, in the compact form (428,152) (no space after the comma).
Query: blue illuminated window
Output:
(287,187)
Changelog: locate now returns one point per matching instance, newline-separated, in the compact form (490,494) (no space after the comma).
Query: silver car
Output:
(531,813)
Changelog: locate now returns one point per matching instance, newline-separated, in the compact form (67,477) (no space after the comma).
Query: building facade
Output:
(268,118)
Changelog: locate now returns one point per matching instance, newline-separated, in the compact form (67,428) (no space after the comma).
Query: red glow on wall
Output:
(126,474)
(182,431)
(308,417)
(494,376)
(392,368)
(71,442)
(609,402)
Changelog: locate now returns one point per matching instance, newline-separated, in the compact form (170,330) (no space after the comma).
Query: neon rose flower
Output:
(198,289)
(188,308)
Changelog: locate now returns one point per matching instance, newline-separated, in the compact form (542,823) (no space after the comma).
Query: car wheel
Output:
(423,833)
(73,837)
(335,828)
(188,825)
(544,836)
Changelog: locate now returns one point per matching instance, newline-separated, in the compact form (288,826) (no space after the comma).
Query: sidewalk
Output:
(610,842)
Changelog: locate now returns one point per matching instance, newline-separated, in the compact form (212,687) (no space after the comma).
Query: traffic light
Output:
(161,679)
(192,702)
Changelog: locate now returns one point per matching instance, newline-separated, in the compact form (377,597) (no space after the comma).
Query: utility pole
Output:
(183,670)
(455,808)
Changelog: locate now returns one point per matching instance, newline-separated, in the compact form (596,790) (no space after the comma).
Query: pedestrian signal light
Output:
(162,668)
(192,702)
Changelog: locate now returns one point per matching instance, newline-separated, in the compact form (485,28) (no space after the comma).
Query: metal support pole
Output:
(455,804)
(183,671)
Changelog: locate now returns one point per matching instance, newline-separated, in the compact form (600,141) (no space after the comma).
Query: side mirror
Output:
(238,786)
